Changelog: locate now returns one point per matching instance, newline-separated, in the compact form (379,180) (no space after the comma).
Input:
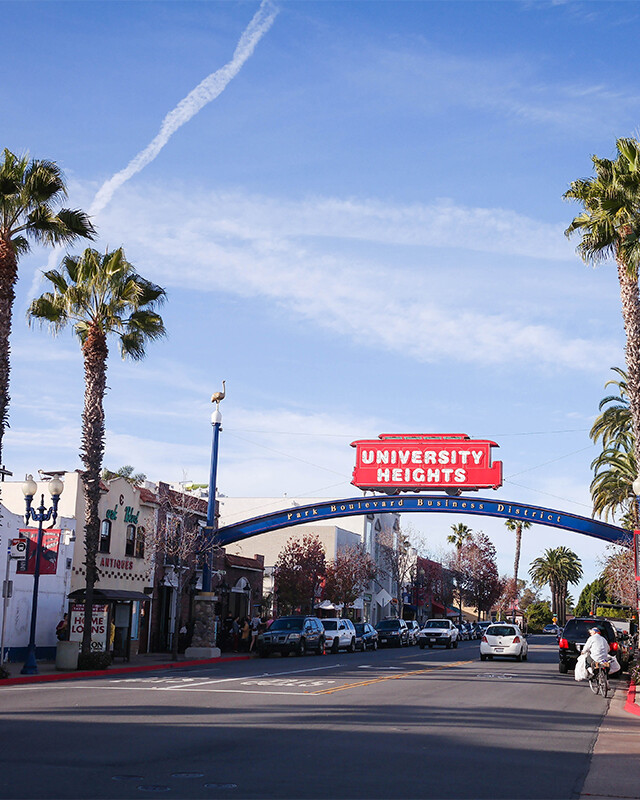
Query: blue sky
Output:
(363,233)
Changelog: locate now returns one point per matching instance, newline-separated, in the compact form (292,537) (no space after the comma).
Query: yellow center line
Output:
(390,677)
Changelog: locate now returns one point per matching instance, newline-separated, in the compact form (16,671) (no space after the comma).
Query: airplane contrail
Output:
(206,91)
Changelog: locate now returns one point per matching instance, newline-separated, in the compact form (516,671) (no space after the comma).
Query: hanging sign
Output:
(48,551)
(417,462)
(636,550)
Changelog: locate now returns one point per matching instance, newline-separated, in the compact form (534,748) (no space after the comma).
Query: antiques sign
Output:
(417,462)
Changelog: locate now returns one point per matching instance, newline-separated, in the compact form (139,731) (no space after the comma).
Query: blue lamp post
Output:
(216,422)
(39,515)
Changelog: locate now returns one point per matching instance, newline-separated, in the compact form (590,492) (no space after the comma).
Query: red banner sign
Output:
(419,462)
(48,551)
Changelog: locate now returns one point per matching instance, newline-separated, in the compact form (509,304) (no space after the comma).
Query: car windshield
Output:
(501,630)
(330,624)
(293,624)
(360,628)
(436,623)
(579,629)
(388,625)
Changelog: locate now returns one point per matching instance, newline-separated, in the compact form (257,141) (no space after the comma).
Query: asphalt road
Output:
(400,723)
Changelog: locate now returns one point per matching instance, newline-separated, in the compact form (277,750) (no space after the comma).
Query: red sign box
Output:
(48,552)
(420,462)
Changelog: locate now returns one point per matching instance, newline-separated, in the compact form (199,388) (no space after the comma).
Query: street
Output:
(392,723)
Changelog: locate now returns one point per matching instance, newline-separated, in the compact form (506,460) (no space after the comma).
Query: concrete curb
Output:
(105,673)
(631,707)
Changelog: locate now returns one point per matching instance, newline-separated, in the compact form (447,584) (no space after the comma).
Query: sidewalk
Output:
(614,771)
(146,662)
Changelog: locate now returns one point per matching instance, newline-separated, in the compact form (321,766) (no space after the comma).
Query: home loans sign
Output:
(415,462)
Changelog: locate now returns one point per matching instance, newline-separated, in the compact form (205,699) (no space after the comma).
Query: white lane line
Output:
(212,691)
(249,677)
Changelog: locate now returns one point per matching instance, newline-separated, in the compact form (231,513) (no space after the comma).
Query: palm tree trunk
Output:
(630,301)
(8,277)
(95,352)
(516,565)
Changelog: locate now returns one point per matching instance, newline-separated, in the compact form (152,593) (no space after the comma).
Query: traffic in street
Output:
(385,723)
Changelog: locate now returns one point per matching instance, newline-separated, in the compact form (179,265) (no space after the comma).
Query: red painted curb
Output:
(630,706)
(100,673)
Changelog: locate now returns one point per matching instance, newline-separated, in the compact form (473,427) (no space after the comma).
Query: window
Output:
(130,543)
(140,534)
(105,536)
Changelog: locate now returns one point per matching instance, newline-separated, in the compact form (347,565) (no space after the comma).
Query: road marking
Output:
(391,677)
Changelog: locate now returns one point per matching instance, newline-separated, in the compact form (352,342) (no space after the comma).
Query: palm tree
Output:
(615,467)
(610,227)
(126,472)
(29,192)
(517,525)
(559,567)
(461,534)
(99,295)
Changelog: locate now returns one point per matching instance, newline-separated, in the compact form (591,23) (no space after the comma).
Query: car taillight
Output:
(516,640)
(563,644)
(484,639)
(613,646)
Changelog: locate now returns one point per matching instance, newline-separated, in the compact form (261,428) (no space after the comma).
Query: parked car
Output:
(414,629)
(339,634)
(287,635)
(503,639)
(463,632)
(552,629)
(575,635)
(477,630)
(438,631)
(366,636)
(392,632)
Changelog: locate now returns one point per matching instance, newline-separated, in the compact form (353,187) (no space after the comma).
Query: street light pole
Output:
(216,422)
(636,490)
(39,515)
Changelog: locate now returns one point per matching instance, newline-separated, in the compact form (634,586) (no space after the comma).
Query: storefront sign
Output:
(418,462)
(48,552)
(98,626)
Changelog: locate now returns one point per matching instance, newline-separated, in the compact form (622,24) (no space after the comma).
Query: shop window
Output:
(139,553)
(130,543)
(105,536)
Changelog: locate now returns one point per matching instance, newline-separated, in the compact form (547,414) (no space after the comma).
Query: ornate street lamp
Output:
(39,515)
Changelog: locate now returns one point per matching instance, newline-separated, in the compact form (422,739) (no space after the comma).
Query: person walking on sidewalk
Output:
(256,622)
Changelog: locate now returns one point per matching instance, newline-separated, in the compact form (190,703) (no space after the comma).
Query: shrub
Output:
(634,672)
(94,661)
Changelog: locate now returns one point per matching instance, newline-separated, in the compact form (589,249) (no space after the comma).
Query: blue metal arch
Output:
(476,506)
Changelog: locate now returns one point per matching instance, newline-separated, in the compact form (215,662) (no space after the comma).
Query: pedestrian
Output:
(62,628)
(256,622)
(235,634)
(245,635)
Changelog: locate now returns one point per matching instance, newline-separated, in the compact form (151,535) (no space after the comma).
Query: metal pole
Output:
(216,422)
(5,604)
(30,665)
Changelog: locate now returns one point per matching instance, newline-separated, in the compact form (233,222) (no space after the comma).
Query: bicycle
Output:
(599,681)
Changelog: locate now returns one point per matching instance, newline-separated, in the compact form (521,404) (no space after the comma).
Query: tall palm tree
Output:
(99,295)
(517,525)
(557,568)
(610,227)
(29,193)
(461,534)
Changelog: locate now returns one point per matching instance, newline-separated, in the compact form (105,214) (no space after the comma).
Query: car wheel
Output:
(519,657)
(455,644)
(335,646)
(422,646)
(483,657)
(490,658)
(525,657)
(302,648)
(320,648)
(448,645)
(375,644)
(430,647)
(352,646)
(563,668)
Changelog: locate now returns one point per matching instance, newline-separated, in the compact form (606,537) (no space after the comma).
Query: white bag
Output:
(581,673)
(614,666)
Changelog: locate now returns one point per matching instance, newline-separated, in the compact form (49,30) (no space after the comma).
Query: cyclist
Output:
(596,648)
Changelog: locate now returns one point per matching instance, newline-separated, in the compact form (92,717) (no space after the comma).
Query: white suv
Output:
(438,631)
(339,634)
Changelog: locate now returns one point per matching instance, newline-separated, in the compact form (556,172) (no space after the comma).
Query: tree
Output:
(29,194)
(619,575)
(478,565)
(592,592)
(399,558)
(298,574)
(348,575)
(126,472)
(538,615)
(180,545)
(610,226)
(517,525)
(99,296)
(460,535)
(558,567)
